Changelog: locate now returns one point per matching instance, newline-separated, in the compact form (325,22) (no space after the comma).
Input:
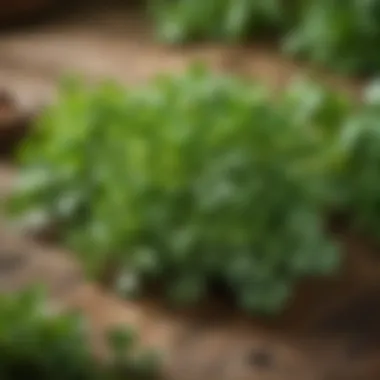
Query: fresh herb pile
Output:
(341,34)
(35,343)
(190,180)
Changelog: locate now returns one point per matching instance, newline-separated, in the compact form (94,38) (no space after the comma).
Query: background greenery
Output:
(344,35)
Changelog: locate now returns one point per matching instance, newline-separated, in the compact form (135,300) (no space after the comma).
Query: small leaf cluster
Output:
(38,343)
(190,180)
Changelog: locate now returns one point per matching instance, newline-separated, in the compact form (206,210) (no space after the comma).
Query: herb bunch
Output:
(190,180)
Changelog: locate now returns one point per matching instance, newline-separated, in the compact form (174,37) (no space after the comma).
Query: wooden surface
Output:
(115,43)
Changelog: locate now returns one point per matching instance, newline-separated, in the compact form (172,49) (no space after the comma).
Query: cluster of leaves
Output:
(190,180)
(340,34)
(37,343)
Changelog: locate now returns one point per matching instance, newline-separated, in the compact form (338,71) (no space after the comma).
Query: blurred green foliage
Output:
(341,34)
(183,20)
(344,35)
